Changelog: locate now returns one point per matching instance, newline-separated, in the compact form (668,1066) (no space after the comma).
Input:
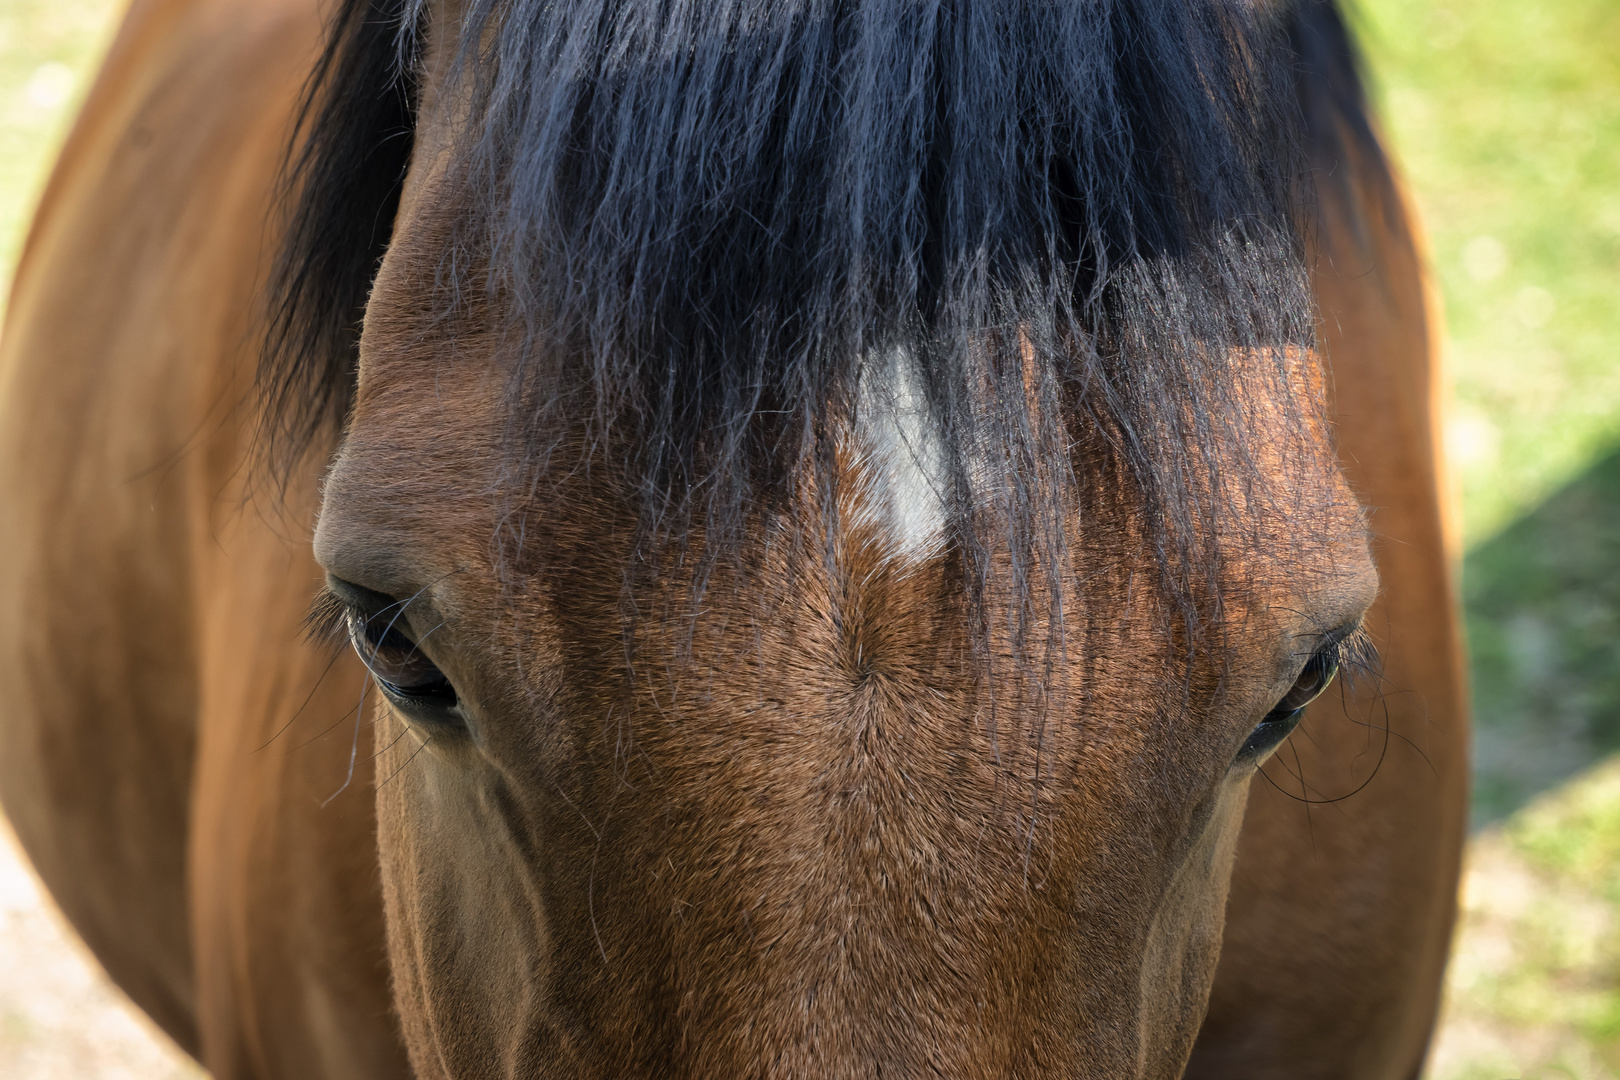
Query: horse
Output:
(847,515)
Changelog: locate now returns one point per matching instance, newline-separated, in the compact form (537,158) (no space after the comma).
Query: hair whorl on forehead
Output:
(706,215)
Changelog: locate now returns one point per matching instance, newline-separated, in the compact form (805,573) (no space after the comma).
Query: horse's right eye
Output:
(413,683)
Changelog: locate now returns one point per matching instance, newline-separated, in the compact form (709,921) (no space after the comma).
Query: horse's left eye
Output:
(398,664)
(1284,717)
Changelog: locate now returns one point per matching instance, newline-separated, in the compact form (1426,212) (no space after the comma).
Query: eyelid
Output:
(360,598)
(1337,636)
(339,600)
(1351,646)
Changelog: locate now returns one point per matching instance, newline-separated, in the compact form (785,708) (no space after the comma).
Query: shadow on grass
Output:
(1543,611)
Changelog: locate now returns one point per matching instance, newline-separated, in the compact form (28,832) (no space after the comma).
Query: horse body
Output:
(152,663)
(790,843)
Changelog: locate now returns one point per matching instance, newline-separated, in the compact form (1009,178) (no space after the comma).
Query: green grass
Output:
(1535,982)
(1506,115)
(1543,604)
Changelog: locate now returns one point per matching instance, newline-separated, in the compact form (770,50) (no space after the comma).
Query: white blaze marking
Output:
(904,452)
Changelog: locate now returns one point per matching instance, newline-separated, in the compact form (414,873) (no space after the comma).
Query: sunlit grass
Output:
(1506,115)
(1535,983)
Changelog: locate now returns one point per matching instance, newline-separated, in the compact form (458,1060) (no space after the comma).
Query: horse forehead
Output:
(431,419)
(433,408)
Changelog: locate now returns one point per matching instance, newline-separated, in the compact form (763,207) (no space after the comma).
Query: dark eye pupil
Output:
(396,662)
(1318,673)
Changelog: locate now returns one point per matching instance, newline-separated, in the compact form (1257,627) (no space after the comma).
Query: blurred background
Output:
(1505,115)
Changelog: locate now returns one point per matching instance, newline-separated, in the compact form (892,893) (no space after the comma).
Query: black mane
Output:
(718,210)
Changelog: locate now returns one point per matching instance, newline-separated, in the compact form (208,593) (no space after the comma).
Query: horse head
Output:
(836,502)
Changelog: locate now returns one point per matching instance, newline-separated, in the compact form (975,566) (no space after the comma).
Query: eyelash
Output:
(327,621)
(1353,653)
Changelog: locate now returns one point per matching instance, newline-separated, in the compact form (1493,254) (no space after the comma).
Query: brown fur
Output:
(789,836)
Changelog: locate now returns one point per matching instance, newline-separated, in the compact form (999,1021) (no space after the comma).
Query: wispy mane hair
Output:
(706,219)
